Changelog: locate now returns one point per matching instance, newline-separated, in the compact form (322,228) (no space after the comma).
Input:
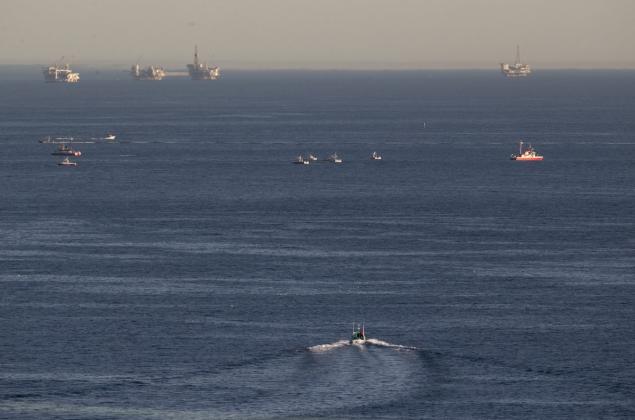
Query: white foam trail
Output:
(382,343)
(331,346)
(370,341)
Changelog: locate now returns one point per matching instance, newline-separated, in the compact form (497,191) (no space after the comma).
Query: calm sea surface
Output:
(191,271)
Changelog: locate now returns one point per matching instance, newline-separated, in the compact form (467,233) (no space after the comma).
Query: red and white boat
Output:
(528,154)
(64,150)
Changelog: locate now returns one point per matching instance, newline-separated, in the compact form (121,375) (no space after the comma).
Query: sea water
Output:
(190,270)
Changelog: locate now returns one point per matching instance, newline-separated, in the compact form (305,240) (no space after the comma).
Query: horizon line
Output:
(120,67)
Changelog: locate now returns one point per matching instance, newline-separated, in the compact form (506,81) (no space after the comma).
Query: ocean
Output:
(190,271)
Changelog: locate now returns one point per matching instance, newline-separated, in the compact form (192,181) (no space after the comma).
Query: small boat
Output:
(375,156)
(334,158)
(64,150)
(313,158)
(529,154)
(67,162)
(359,334)
(300,161)
(110,137)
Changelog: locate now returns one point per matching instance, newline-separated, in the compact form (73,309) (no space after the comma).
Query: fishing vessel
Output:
(64,150)
(149,73)
(58,73)
(334,158)
(312,158)
(529,154)
(517,69)
(67,162)
(301,161)
(110,137)
(359,334)
(375,156)
(201,71)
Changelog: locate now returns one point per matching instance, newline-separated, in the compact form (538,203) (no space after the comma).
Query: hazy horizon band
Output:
(330,34)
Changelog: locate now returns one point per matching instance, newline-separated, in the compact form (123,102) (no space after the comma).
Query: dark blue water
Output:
(191,271)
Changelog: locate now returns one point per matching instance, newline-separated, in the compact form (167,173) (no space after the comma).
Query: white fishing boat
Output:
(301,161)
(334,158)
(359,334)
(375,156)
(528,154)
(67,162)
(110,137)
(312,157)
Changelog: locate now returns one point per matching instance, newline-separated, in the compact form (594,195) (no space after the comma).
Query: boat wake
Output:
(326,347)
(371,341)
(375,342)
(372,377)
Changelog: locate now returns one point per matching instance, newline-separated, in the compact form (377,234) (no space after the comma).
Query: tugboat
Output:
(375,156)
(359,335)
(300,161)
(64,150)
(67,162)
(529,154)
(334,158)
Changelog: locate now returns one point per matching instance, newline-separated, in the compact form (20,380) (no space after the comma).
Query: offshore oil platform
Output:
(201,71)
(517,69)
(149,73)
(60,73)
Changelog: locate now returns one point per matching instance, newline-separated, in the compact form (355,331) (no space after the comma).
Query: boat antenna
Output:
(196,55)
(520,148)
(517,54)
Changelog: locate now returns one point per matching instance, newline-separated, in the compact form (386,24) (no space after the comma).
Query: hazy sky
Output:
(320,33)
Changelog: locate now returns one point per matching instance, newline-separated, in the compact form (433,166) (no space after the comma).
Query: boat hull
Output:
(69,153)
(528,159)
